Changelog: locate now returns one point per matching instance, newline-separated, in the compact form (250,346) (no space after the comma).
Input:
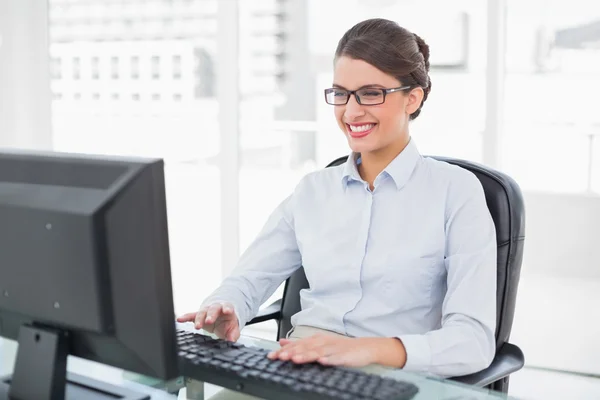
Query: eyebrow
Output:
(370,85)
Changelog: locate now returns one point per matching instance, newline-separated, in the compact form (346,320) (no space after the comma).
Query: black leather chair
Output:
(505,202)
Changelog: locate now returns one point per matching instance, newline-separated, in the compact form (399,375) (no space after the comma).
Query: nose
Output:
(353,109)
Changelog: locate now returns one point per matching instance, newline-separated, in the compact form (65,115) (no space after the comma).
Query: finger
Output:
(307,357)
(289,350)
(273,355)
(308,351)
(316,348)
(213,313)
(227,309)
(306,344)
(187,317)
(282,354)
(287,347)
(234,334)
(200,317)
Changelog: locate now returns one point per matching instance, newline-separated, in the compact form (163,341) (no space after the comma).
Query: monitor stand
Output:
(41,372)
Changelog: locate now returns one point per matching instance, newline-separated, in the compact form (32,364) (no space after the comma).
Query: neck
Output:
(372,163)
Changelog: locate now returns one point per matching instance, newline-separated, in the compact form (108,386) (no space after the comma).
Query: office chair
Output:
(505,202)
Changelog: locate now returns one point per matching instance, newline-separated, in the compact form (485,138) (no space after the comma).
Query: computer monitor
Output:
(84,269)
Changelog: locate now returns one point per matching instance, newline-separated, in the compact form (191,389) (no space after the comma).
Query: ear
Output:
(414,100)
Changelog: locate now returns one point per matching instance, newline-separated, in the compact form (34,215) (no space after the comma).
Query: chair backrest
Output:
(505,202)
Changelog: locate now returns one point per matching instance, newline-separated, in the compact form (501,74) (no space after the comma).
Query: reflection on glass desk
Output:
(429,387)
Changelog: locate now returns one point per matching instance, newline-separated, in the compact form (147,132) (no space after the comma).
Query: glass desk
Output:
(429,387)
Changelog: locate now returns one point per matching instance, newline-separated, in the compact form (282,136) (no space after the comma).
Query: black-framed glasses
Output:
(364,96)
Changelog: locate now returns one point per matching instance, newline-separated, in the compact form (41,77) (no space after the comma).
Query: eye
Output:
(370,93)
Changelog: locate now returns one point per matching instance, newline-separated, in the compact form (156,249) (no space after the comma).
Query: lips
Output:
(360,130)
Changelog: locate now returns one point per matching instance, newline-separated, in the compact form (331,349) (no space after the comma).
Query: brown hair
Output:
(391,49)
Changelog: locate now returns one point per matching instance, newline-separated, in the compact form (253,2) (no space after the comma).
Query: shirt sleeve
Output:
(270,259)
(466,342)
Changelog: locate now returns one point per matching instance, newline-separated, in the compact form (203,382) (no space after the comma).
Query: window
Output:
(176,67)
(155,67)
(550,146)
(551,47)
(56,68)
(204,74)
(126,59)
(95,68)
(76,68)
(135,67)
(114,67)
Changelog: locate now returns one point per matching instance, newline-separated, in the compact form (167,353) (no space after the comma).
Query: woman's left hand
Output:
(329,350)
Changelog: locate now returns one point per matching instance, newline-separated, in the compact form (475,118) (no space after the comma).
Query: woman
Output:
(399,250)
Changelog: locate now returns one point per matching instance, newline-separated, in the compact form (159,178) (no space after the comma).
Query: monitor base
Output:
(40,371)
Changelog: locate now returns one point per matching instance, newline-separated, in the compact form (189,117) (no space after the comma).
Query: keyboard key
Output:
(226,365)
(254,374)
(288,381)
(224,357)
(202,360)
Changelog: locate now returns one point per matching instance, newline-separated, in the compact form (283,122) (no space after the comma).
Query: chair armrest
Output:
(270,312)
(508,359)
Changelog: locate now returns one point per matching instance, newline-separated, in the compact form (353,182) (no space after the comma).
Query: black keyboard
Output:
(248,370)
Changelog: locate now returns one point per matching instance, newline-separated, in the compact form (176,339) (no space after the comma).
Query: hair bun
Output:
(423,49)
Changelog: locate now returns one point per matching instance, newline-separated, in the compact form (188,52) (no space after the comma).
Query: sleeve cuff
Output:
(418,352)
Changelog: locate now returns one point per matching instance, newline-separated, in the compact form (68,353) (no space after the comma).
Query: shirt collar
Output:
(400,169)
(350,171)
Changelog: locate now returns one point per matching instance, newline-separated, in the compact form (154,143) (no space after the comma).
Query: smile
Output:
(360,130)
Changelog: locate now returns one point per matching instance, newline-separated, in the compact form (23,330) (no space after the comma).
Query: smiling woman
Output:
(394,245)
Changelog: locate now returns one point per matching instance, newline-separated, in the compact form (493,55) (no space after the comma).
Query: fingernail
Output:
(271,354)
(284,354)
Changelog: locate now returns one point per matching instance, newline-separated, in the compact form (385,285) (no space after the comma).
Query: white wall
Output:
(24,75)
(563,234)
(556,317)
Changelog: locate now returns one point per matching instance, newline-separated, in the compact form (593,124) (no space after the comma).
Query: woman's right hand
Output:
(217,318)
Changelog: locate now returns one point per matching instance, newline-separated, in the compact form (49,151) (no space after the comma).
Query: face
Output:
(373,128)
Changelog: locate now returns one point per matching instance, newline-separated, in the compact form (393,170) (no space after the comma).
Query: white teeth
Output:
(361,128)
